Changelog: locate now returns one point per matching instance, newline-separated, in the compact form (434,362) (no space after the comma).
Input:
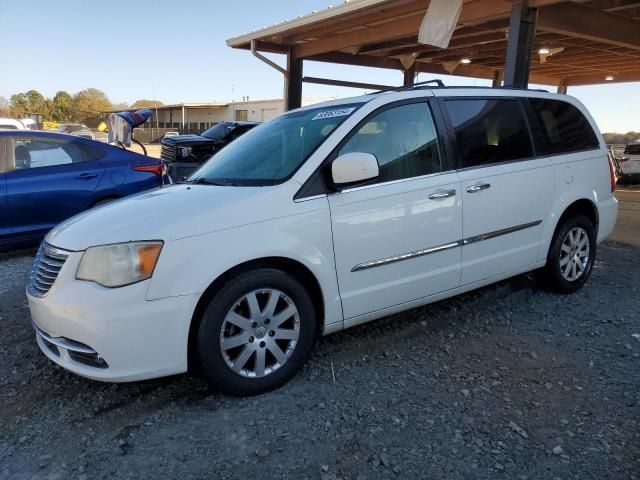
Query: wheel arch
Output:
(293,267)
(582,206)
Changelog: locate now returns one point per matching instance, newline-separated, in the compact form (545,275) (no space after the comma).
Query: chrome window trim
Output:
(313,197)
(440,248)
(393,182)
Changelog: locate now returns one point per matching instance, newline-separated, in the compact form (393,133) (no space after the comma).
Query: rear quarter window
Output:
(561,128)
(489,131)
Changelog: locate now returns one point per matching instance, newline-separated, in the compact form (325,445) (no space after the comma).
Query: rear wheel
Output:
(257,332)
(571,256)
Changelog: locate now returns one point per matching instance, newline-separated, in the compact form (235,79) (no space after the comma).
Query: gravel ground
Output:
(504,382)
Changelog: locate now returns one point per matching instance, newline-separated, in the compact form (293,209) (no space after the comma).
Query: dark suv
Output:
(185,153)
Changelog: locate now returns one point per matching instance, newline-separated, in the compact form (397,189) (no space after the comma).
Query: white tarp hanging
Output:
(439,22)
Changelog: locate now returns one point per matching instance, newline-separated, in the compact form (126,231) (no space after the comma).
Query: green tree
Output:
(143,103)
(621,138)
(23,104)
(37,103)
(120,106)
(88,105)
(5,107)
(19,104)
(61,107)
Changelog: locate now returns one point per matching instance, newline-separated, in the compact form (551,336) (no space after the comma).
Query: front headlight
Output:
(119,264)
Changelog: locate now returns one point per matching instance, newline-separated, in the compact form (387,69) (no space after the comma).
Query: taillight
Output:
(612,176)
(159,168)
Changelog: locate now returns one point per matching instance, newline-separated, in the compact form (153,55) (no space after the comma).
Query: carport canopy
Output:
(551,42)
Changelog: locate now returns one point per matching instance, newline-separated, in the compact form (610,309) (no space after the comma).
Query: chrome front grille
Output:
(168,152)
(46,267)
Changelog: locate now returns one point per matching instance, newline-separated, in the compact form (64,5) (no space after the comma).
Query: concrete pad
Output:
(628,226)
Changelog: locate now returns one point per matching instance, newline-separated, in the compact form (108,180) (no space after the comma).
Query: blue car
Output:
(47,177)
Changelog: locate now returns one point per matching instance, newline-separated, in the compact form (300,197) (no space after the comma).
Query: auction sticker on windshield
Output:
(338,112)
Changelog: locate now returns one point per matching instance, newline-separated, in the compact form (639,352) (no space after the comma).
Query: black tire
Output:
(213,359)
(551,276)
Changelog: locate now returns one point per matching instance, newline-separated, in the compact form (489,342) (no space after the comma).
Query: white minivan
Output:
(320,219)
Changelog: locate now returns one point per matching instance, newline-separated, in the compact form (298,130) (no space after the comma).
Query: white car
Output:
(323,218)
(11,124)
(629,163)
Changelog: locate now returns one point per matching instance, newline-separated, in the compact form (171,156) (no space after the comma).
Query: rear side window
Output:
(31,153)
(562,128)
(489,131)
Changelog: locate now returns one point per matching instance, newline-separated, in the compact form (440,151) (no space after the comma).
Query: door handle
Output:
(86,176)
(442,194)
(478,187)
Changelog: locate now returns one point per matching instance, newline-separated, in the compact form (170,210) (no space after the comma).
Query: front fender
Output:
(188,266)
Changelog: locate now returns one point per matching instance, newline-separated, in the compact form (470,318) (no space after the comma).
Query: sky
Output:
(175,51)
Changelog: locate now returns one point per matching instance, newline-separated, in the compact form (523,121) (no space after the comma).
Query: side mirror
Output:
(354,167)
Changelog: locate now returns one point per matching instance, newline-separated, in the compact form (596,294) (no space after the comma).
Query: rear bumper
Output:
(607,217)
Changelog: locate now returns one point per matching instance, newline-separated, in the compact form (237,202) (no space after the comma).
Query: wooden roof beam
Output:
(576,20)
(473,12)
(592,79)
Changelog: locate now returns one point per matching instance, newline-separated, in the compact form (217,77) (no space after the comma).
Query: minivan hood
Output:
(166,213)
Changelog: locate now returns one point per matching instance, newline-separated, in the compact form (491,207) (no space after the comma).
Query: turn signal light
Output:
(148,256)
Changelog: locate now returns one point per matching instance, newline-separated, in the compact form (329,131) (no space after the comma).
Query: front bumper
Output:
(113,334)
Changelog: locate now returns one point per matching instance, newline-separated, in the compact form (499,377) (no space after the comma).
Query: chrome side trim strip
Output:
(440,248)
(404,256)
(498,233)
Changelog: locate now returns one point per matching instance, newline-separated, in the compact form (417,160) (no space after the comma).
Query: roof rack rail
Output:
(515,87)
(439,83)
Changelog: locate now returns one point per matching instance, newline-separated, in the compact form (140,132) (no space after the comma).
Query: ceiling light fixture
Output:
(465,61)
(544,51)
(609,78)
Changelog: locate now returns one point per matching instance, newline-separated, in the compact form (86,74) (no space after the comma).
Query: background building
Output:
(197,117)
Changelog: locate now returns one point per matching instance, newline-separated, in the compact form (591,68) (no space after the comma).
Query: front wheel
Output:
(257,332)
(571,256)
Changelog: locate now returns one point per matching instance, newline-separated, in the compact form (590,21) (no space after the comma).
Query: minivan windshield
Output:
(273,151)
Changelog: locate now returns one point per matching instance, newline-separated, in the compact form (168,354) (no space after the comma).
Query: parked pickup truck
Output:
(629,163)
(185,153)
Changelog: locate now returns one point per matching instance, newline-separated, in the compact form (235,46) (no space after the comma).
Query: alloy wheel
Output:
(259,333)
(574,254)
